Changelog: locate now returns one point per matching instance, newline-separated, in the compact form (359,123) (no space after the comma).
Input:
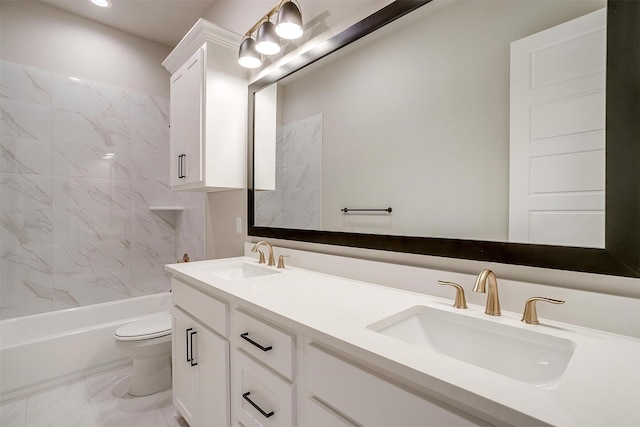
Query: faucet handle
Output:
(281,260)
(530,315)
(461,301)
(260,257)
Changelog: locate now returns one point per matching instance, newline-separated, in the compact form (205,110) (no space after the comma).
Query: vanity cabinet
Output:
(208,108)
(368,399)
(237,365)
(200,357)
(263,354)
(200,372)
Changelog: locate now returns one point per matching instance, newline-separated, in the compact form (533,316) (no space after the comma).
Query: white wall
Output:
(42,36)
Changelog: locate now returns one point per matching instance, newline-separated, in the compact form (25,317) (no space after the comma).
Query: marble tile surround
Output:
(75,225)
(297,200)
(97,401)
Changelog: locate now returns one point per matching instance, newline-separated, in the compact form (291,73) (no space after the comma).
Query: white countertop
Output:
(600,386)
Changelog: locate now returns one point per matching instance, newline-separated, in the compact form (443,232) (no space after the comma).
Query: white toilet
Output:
(148,343)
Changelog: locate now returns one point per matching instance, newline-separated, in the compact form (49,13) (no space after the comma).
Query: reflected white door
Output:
(557,134)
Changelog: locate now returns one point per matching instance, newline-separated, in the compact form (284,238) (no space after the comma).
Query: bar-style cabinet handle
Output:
(189,335)
(245,336)
(193,362)
(181,157)
(245,396)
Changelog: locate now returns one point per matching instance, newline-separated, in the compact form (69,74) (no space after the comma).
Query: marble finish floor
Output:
(97,401)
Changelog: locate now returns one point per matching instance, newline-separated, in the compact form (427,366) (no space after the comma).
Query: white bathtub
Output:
(44,350)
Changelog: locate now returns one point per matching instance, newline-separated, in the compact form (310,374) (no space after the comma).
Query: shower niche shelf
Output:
(167,213)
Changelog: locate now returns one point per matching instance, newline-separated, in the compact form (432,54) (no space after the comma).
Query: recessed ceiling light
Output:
(101,3)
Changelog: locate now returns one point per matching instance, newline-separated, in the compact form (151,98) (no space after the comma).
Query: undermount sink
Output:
(239,271)
(517,353)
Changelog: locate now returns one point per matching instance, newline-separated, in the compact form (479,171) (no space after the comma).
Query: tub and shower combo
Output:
(44,350)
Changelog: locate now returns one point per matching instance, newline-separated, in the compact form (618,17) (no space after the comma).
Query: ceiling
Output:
(162,21)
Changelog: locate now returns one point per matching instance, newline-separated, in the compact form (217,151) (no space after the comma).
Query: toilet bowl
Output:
(148,343)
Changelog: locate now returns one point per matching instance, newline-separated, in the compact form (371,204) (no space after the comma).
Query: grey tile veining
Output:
(91,256)
(25,191)
(25,226)
(82,127)
(24,83)
(297,200)
(90,193)
(68,405)
(25,120)
(78,289)
(97,401)
(25,155)
(13,414)
(75,225)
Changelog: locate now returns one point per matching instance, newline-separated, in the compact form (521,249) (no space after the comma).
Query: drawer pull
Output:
(245,336)
(245,396)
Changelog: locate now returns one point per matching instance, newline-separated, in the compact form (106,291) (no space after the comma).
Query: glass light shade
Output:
(101,3)
(289,24)
(248,56)
(267,40)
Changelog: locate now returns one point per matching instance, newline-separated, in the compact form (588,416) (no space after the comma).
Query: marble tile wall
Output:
(297,200)
(80,164)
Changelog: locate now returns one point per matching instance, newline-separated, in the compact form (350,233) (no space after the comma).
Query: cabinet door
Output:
(212,357)
(185,385)
(372,401)
(186,98)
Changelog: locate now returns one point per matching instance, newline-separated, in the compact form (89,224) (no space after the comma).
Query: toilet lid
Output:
(152,327)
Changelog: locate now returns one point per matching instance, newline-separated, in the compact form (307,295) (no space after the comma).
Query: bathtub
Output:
(44,350)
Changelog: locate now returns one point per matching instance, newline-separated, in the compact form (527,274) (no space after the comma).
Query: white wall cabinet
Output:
(208,103)
(186,96)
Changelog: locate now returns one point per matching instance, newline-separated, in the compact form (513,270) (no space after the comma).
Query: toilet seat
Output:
(145,329)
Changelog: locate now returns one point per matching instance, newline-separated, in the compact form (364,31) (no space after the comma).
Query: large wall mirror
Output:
(496,131)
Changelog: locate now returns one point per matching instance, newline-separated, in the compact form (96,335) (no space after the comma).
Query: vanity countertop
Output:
(600,386)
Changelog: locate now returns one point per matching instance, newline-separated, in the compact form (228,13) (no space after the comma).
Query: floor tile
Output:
(13,414)
(98,401)
(67,406)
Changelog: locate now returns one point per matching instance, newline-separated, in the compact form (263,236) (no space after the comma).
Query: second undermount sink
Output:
(518,353)
(239,271)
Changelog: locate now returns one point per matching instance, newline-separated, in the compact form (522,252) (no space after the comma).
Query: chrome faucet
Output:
(272,260)
(493,302)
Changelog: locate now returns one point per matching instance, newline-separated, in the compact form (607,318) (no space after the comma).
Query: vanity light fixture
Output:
(101,3)
(289,25)
(267,41)
(248,56)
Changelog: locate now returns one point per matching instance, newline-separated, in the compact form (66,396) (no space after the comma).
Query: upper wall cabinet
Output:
(208,111)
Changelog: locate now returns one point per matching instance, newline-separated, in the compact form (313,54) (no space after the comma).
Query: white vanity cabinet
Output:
(200,357)
(263,372)
(208,107)
(353,395)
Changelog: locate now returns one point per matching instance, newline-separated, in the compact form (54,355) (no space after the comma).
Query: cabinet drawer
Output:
(272,346)
(259,397)
(372,401)
(208,310)
(318,415)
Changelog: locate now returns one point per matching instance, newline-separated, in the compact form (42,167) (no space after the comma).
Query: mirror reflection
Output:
(476,120)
